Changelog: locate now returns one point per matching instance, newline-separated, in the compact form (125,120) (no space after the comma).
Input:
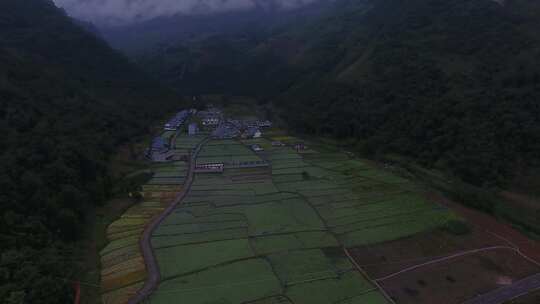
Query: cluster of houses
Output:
(211,117)
(160,148)
(225,131)
(233,128)
(178,120)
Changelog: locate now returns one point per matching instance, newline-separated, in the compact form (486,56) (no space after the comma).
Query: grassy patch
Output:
(178,260)
(292,267)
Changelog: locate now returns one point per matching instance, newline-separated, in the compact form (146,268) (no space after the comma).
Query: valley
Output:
(270,152)
(236,216)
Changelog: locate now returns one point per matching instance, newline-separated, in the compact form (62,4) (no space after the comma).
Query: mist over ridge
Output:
(123,12)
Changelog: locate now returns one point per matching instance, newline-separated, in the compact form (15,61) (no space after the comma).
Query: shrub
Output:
(458,227)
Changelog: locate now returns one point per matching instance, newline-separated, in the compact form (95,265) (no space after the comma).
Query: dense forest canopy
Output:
(66,101)
(452,84)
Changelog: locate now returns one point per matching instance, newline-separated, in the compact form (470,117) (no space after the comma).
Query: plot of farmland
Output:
(275,235)
(227,152)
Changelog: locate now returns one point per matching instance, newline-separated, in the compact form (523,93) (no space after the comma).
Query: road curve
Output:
(510,292)
(152,267)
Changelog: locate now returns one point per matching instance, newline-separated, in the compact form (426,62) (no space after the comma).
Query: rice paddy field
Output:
(122,266)
(186,143)
(268,236)
(226,151)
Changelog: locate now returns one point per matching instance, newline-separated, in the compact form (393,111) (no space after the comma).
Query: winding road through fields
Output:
(152,268)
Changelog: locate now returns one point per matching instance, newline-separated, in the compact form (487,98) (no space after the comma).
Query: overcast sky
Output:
(115,12)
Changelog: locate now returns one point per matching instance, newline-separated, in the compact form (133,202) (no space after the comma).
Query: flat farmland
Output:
(277,236)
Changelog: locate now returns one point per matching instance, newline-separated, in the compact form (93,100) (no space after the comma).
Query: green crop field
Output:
(237,282)
(185,143)
(226,151)
(276,236)
(184,259)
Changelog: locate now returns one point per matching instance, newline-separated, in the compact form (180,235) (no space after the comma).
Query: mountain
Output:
(136,38)
(67,100)
(452,84)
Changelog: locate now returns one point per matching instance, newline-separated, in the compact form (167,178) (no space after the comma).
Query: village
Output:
(212,123)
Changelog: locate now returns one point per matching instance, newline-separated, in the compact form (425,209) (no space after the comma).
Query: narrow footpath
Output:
(152,268)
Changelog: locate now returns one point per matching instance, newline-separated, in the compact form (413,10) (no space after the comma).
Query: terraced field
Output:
(267,236)
(123,269)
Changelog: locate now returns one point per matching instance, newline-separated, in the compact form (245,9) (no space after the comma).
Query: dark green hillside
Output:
(453,84)
(66,101)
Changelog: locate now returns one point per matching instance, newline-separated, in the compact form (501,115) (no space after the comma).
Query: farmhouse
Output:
(226,130)
(176,122)
(193,129)
(257,148)
(252,132)
(159,150)
(210,117)
(159,144)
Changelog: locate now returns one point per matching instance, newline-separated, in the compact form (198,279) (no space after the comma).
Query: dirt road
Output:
(510,292)
(152,267)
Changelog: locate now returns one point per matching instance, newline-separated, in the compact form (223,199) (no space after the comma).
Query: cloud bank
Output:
(120,12)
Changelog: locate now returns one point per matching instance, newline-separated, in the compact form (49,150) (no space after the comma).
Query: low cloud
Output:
(119,12)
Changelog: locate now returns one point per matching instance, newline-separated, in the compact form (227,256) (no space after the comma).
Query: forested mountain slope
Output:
(66,101)
(452,83)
